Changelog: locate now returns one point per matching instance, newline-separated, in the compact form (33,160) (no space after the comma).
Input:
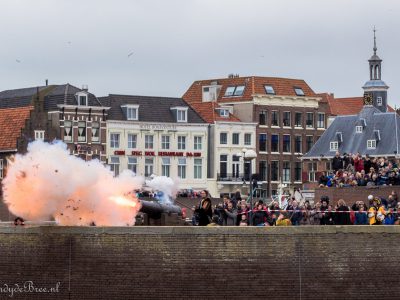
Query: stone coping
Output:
(191,230)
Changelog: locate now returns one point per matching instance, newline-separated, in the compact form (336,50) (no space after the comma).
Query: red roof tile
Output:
(12,120)
(253,85)
(348,106)
(207,110)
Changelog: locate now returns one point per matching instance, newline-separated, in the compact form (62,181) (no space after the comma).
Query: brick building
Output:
(290,118)
(54,112)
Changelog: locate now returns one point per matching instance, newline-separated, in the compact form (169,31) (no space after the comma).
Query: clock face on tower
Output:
(368,100)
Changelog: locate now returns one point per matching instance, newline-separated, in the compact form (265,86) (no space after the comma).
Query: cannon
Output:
(155,213)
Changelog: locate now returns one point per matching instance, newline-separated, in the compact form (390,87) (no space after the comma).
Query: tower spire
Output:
(375,42)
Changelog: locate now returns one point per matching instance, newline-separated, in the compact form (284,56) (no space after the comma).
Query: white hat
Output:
(370,197)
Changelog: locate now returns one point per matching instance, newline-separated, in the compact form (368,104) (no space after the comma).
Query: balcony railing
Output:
(237,177)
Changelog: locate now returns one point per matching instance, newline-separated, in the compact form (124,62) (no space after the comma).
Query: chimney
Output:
(85,87)
(47,82)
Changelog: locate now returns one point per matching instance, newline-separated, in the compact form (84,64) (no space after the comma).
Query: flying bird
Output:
(130,54)
(18,61)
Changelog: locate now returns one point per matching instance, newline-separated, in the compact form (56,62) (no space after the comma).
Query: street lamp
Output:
(249,155)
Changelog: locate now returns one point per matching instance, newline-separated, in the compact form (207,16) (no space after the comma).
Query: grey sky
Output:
(327,43)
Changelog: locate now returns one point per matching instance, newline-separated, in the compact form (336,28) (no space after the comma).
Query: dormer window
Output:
(131,112)
(82,98)
(234,91)
(334,146)
(210,93)
(371,144)
(379,101)
(224,113)
(269,89)
(299,91)
(359,129)
(180,114)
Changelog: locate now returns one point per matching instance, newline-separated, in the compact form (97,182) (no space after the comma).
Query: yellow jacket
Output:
(372,213)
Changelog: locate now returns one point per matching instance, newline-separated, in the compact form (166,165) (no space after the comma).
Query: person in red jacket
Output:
(358,163)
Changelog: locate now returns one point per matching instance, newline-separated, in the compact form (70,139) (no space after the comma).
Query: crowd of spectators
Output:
(355,170)
(237,212)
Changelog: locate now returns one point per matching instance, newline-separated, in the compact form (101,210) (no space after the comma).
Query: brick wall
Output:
(353,194)
(353,262)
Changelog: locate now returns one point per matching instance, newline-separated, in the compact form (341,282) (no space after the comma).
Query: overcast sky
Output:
(160,47)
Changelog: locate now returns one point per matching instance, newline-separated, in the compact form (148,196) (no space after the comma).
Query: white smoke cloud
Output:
(49,183)
(166,186)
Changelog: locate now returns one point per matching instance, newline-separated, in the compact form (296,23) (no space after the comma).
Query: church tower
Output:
(375,90)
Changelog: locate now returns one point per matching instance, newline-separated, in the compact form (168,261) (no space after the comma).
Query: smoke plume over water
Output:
(49,183)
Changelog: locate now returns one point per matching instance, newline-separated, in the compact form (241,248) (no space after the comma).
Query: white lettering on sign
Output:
(158,126)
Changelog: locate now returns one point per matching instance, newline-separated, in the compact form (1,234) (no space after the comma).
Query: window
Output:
(274,170)
(359,129)
(321,120)
(274,118)
(114,165)
(234,91)
(197,168)
(274,143)
(262,167)
(148,167)
(181,115)
(165,167)
(312,169)
(235,138)
(371,144)
(298,122)
(269,89)
(182,167)
(1,168)
(263,117)
(247,139)
(263,142)
(39,135)
(223,165)
(297,144)
(82,131)
(310,120)
(132,141)
(131,113)
(239,90)
(286,119)
(67,131)
(229,91)
(309,142)
(334,146)
(297,171)
(379,101)
(223,138)
(95,132)
(299,91)
(82,100)
(224,112)
(286,143)
(286,171)
(132,164)
(114,140)
(197,143)
(235,166)
(181,142)
(165,142)
(148,141)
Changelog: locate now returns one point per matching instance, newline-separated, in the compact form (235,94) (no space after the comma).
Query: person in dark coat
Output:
(342,216)
(337,162)
(260,216)
(204,212)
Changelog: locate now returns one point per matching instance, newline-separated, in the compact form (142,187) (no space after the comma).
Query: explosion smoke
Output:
(48,183)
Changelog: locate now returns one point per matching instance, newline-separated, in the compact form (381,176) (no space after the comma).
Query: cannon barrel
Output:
(153,208)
